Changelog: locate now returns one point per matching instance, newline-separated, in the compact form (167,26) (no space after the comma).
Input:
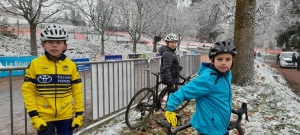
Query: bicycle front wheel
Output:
(139,108)
(164,96)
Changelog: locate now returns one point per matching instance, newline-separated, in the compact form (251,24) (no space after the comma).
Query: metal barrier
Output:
(108,88)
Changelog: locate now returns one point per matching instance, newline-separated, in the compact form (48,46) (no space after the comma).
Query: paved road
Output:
(292,77)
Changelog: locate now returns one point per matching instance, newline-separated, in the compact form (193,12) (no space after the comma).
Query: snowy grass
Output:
(272,109)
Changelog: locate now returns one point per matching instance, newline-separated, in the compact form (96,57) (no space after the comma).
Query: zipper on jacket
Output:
(55,89)
(229,96)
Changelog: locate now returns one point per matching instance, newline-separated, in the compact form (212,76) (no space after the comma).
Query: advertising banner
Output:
(85,67)
(113,57)
(13,61)
(134,56)
(194,52)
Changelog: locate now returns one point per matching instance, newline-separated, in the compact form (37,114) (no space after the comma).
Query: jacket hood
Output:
(164,48)
(205,66)
(210,66)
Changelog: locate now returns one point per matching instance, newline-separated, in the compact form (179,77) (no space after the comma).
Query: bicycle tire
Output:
(139,108)
(164,96)
(238,128)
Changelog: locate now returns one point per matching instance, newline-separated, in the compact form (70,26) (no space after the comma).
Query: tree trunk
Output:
(134,46)
(154,45)
(243,69)
(102,44)
(287,45)
(33,45)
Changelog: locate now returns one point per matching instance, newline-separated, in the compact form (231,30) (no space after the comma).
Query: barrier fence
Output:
(108,87)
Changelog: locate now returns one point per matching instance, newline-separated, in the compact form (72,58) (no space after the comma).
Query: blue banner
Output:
(113,57)
(22,61)
(85,67)
(194,52)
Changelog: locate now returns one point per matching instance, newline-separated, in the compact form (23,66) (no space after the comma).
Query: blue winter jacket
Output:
(212,92)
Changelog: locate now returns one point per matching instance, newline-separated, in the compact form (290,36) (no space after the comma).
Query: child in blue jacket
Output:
(212,91)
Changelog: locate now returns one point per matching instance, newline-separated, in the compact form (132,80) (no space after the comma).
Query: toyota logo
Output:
(44,79)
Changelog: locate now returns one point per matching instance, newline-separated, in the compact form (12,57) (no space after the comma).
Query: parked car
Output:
(286,59)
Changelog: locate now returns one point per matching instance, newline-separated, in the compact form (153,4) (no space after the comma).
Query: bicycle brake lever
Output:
(246,113)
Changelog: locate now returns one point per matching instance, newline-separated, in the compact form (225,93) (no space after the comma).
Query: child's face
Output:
(54,47)
(223,62)
(172,44)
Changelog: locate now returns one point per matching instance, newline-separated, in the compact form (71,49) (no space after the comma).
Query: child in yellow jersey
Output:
(52,88)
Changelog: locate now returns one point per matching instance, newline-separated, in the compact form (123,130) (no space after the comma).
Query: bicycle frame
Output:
(139,102)
(157,101)
(155,88)
(243,110)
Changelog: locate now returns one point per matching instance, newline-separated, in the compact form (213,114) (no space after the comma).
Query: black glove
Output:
(170,84)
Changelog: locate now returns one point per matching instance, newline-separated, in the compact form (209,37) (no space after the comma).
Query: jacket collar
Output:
(217,72)
(50,57)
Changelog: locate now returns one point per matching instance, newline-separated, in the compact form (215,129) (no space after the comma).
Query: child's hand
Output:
(38,123)
(171,118)
(173,86)
(77,122)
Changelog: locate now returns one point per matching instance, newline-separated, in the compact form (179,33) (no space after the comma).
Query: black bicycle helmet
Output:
(222,47)
(53,32)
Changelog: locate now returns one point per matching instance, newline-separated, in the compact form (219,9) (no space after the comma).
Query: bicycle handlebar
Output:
(164,123)
(181,128)
(186,79)
(240,112)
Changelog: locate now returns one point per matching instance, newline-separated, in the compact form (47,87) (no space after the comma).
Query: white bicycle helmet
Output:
(171,37)
(54,32)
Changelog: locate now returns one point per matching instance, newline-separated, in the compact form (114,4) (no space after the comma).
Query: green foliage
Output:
(290,37)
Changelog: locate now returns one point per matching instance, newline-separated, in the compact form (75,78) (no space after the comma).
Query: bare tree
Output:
(185,24)
(99,14)
(32,11)
(136,16)
(243,70)
(160,25)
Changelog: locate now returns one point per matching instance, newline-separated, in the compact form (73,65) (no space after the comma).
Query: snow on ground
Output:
(76,48)
(272,106)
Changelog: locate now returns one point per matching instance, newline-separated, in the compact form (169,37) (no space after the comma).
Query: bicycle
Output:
(233,125)
(147,100)
(164,95)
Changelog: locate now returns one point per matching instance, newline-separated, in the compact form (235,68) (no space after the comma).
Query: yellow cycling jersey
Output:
(52,89)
